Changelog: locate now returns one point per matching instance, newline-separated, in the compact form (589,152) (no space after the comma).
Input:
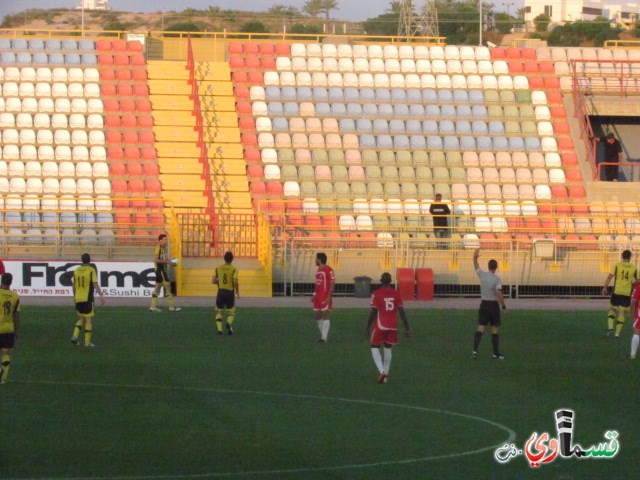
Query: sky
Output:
(347,9)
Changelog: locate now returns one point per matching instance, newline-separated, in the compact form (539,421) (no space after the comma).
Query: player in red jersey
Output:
(322,302)
(635,308)
(386,303)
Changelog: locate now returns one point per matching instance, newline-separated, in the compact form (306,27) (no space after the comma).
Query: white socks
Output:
(323,326)
(377,358)
(635,341)
(387,359)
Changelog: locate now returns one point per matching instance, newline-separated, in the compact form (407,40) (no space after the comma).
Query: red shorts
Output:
(378,336)
(318,305)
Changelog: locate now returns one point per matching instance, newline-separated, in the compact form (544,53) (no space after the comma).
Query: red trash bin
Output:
(424,277)
(406,284)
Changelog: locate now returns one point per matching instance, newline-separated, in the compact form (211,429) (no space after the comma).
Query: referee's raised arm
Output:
(476,254)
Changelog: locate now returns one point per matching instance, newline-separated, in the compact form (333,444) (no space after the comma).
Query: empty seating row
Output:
(265,48)
(375,66)
(45,74)
(123,74)
(41,58)
(390,51)
(49,105)
(121,59)
(52,137)
(35,169)
(72,186)
(124,90)
(50,153)
(385,110)
(366,125)
(47,44)
(55,90)
(35,218)
(385,141)
(44,120)
(576,53)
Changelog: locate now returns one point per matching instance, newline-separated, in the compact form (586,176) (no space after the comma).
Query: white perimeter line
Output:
(510,438)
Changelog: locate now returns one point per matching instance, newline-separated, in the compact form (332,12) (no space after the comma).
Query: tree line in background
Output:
(458,22)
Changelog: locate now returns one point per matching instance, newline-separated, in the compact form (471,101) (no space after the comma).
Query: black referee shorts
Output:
(489,313)
(7,340)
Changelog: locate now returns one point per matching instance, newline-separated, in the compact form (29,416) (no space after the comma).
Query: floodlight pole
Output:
(480,23)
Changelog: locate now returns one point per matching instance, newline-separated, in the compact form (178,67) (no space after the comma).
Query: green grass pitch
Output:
(161,396)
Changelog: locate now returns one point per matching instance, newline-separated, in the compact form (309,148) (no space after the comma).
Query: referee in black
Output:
(490,307)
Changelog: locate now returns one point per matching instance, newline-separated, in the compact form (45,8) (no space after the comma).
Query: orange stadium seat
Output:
(268,63)
(243,108)
(241,91)
(128,120)
(115,153)
(247,123)
(145,120)
(121,59)
(513,53)
(536,83)
(235,48)
(267,48)
(252,155)
(236,62)
(107,89)
(112,121)
(239,77)
(283,49)
(140,74)
(256,78)
(113,136)
(137,59)
(143,105)
(107,74)
(119,45)
(105,59)
(134,169)
(569,159)
(132,153)
(274,188)
(127,105)
(577,191)
(123,74)
(110,105)
(103,45)
(251,48)
(134,46)
(130,136)
(147,137)
(117,169)
(148,153)
(252,62)
(124,90)
(150,169)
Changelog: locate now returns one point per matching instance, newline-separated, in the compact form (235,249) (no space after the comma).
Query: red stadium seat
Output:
(134,46)
(125,90)
(119,45)
(127,105)
(134,169)
(105,59)
(112,121)
(528,53)
(561,128)
(565,143)
(536,83)
(247,123)
(110,105)
(113,137)
(559,191)
(149,153)
(140,74)
(243,108)
(152,185)
(132,153)
(577,191)
(122,218)
(235,48)
(283,49)
(554,98)
(130,136)
(236,62)
(569,159)
(249,139)
(121,59)
(548,225)
(115,153)
(239,77)
(118,186)
(141,90)
(329,221)
(515,224)
(117,169)
(552,83)
(516,66)
(580,210)
(252,62)
(293,206)
(256,78)
(136,185)
(147,137)
(558,112)
(531,66)
(128,120)
(267,48)
(241,91)
(498,53)
(137,59)
(545,209)
(145,120)
(108,89)
(107,74)
(123,74)
(103,45)
(274,188)
(252,155)
(546,67)
(294,219)
(513,53)
(257,189)
(252,48)
(573,175)
(143,105)
(268,63)
(255,172)
(150,169)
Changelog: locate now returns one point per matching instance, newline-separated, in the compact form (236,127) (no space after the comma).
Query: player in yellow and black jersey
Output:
(9,323)
(226,277)
(624,274)
(85,283)
(161,261)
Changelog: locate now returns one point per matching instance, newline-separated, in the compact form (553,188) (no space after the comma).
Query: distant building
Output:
(562,11)
(94,4)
